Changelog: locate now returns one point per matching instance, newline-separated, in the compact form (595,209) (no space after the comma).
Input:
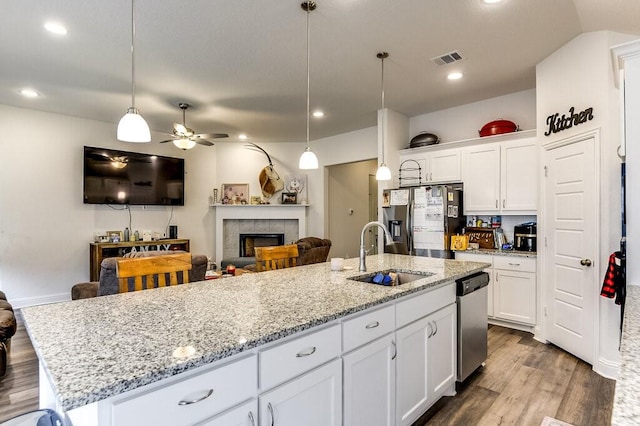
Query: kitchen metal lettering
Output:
(558,123)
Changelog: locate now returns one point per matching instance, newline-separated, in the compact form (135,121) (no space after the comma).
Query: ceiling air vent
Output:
(448,58)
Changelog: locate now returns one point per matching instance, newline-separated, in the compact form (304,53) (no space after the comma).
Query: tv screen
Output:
(121,177)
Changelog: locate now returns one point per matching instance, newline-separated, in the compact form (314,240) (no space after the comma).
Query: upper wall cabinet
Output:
(442,165)
(500,177)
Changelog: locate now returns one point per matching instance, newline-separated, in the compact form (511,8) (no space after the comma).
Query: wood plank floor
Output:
(523,381)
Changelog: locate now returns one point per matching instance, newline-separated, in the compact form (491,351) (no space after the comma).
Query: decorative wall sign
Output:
(557,123)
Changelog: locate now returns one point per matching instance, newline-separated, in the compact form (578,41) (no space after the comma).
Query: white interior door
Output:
(570,218)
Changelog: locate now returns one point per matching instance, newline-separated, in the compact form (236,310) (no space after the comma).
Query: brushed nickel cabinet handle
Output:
(496,204)
(253,422)
(207,395)
(395,350)
(514,264)
(504,204)
(430,330)
(585,262)
(436,324)
(308,352)
(372,325)
(270,408)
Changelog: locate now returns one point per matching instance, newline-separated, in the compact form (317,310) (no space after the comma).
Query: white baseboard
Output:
(42,300)
(607,368)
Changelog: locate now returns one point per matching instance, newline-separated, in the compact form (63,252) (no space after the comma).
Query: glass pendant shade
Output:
(308,160)
(184,143)
(383,172)
(133,128)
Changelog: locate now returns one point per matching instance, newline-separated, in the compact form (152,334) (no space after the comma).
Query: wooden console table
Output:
(99,251)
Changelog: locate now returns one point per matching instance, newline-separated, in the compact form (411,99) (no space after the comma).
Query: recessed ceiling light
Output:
(454,76)
(491,1)
(318,114)
(242,137)
(29,93)
(55,28)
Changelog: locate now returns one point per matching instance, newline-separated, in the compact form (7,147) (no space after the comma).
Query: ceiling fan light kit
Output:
(383,172)
(308,160)
(132,127)
(185,137)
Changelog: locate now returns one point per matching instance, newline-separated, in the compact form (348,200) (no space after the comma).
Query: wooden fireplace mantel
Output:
(224,212)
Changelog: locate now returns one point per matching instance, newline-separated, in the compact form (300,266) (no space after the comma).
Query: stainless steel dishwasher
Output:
(471,298)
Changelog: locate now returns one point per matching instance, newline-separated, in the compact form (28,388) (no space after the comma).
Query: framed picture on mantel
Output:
(235,193)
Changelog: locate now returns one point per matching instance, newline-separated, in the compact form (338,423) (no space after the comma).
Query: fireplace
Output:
(249,241)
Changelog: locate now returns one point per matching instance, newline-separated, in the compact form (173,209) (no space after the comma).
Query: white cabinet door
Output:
(243,415)
(441,352)
(412,381)
(519,183)
(515,296)
(369,384)
(313,399)
(444,166)
(481,177)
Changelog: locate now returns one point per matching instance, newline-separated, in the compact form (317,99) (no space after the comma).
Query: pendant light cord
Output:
(382,56)
(308,72)
(133,62)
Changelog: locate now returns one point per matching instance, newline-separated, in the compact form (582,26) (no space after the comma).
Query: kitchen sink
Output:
(402,277)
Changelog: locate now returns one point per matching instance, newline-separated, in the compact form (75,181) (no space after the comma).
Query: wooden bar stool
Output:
(276,257)
(151,272)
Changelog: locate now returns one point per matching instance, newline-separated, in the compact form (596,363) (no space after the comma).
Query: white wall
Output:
(463,122)
(45,228)
(580,74)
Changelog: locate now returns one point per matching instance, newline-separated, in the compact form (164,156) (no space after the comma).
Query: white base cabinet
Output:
(426,363)
(243,415)
(512,287)
(314,399)
(370,384)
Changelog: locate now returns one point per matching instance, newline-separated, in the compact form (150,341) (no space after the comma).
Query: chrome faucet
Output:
(363,251)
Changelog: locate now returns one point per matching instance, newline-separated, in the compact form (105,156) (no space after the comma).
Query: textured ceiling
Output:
(242,63)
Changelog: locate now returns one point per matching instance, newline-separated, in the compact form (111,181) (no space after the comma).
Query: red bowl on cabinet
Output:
(498,127)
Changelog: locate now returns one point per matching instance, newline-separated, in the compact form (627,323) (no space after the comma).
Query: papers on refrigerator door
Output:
(428,218)
(399,197)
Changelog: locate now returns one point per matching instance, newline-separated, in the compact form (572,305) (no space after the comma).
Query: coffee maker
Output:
(525,237)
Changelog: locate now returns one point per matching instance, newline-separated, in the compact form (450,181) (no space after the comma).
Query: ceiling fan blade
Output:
(180,129)
(203,142)
(211,136)
(168,140)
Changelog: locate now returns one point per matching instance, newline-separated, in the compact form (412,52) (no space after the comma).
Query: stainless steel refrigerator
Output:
(422,219)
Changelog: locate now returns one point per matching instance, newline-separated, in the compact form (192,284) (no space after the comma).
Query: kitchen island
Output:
(93,351)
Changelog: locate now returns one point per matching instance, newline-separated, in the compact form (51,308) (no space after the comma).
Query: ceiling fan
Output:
(186,138)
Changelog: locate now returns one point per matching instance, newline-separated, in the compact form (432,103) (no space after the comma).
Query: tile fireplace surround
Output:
(231,221)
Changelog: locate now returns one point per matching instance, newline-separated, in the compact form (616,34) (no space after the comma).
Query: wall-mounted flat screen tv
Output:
(121,177)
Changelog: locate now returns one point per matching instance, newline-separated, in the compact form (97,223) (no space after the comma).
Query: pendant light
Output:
(383,172)
(132,127)
(308,159)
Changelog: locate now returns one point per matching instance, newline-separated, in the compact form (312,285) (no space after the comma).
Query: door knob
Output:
(585,262)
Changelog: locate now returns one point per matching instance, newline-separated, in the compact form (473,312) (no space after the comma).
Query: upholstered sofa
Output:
(108,283)
(312,250)
(8,327)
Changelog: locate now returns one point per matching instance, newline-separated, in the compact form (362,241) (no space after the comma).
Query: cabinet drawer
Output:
(293,358)
(513,263)
(365,328)
(225,386)
(417,307)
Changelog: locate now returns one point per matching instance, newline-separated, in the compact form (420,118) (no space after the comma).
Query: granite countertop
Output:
(497,252)
(626,402)
(93,349)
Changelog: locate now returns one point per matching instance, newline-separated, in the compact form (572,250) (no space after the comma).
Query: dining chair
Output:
(151,272)
(275,257)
